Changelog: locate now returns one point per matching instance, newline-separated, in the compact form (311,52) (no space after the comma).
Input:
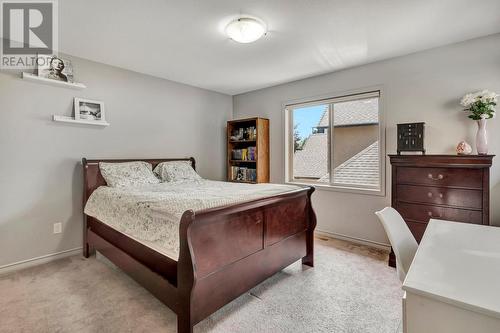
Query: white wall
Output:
(40,172)
(425,86)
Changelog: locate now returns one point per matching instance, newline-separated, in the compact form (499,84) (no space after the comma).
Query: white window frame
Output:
(330,99)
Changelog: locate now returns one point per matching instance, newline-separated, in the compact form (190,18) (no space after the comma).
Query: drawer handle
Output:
(430,195)
(431,215)
(439,177)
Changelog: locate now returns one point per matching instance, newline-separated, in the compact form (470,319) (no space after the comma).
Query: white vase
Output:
(482,137)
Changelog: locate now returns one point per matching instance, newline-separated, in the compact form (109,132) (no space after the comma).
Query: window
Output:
(336,142)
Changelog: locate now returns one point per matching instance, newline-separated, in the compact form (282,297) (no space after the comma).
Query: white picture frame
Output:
(89,110)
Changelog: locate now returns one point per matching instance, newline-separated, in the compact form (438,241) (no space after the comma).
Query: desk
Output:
(453,284)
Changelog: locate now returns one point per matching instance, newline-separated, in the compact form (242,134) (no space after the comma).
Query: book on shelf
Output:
(245,154)
(243,174)
(244,134)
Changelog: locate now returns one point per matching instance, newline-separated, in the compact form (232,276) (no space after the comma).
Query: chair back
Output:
(402,241)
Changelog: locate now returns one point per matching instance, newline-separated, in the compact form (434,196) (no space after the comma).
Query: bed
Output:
(221,252)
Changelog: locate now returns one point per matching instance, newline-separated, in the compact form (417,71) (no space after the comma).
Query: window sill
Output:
(345,189)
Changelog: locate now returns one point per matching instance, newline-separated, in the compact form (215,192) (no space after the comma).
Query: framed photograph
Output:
(55,68)
(86,109)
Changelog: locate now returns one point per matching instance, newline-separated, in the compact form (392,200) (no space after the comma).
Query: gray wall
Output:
(425,86)
(41,179)
(40,172)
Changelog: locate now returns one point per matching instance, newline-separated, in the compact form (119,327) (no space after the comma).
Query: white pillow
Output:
(175,171)
(127,174)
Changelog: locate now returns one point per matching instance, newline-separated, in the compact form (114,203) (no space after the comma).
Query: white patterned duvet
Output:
(151,214)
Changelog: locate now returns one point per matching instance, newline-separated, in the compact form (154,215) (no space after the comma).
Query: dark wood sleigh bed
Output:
(224,251)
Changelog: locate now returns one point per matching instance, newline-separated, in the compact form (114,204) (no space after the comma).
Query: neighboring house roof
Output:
(312,160)
(323,122)
(353,113)
(361,169)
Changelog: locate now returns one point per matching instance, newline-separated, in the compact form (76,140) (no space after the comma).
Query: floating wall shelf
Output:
(72,120)
(35,78)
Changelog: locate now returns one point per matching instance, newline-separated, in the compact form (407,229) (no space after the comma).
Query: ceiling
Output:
(183,40)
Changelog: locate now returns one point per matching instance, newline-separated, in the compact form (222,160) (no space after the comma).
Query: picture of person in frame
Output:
(55,68)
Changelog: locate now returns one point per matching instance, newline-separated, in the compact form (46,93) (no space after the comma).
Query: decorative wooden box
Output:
(411,137)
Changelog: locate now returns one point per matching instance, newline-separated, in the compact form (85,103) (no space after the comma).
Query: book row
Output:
(243,174)
(245,154)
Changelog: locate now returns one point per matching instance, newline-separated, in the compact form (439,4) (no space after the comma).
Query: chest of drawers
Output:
(448,187)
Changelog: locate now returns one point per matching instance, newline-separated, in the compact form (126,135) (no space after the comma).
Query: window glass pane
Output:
(356,143)
(310,143)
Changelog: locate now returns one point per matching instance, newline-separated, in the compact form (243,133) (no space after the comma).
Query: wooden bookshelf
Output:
(259,160)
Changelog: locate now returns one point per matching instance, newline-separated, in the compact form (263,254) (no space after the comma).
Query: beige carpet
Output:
(351,289)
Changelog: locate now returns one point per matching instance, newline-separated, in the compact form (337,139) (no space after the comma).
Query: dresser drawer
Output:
(423,213)
(469,178)
(440,196)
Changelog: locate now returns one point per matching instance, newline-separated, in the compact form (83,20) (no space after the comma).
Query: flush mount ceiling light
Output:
(246,29)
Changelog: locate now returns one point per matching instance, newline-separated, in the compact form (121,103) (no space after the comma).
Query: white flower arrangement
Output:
(481,104)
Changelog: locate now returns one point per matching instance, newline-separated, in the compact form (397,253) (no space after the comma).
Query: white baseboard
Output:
(381,246)
(9,268)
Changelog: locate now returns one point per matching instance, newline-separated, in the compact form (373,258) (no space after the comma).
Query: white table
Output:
(453,284)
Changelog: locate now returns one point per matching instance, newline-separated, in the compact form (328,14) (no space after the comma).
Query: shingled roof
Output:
(352,113)
(312,163)
(312,160)
(361,169)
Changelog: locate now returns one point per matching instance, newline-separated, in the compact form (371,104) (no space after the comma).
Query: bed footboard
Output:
(227,251)
(224,251)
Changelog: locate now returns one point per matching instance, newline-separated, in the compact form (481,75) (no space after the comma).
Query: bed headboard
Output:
(92,177)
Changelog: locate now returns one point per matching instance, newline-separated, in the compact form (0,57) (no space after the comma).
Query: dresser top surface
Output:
(442,155)
(477,161)
(459,264)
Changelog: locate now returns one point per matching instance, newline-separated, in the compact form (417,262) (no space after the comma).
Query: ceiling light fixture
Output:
(246,29)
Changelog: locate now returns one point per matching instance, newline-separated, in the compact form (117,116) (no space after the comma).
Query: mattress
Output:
(151,214)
